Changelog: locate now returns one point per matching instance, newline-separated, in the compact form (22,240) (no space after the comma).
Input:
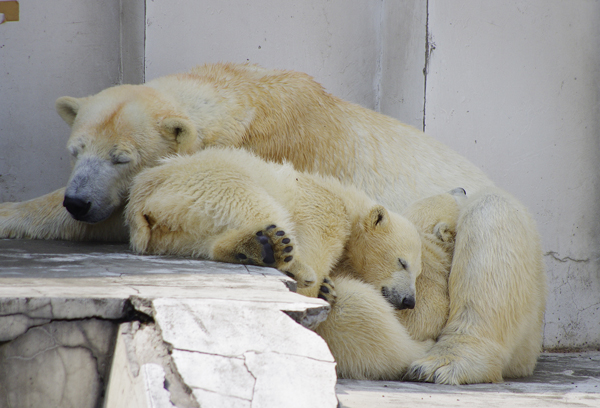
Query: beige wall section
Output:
(515,86)
(335,41)
(403,33)
(59,47)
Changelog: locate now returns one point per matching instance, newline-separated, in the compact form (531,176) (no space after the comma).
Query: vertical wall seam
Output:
(120,43)
(426,65)
(380,58)
(144,43)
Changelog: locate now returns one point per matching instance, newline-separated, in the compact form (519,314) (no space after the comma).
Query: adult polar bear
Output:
(497,285)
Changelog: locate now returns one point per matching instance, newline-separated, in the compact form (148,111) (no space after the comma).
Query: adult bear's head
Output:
(114,135)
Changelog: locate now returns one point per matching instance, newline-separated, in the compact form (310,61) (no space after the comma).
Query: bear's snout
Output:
(398,300)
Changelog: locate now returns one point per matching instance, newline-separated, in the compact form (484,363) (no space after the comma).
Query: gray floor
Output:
(560,380)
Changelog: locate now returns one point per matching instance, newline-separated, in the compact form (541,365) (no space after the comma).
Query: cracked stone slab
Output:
(260,358)
(194,308)
(142,374)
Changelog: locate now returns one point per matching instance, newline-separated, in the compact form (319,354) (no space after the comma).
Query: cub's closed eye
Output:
(403,263)
(121,159)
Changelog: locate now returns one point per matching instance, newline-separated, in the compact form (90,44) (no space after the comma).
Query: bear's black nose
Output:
(77,207)
(408,302)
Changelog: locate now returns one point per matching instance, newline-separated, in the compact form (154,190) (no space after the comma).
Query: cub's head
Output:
(385,251)
(114,135)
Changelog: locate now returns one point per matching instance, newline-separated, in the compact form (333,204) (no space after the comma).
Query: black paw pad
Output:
(285,241)
(270,227)
(241,256)
(324,289)
(288,258)
(267,251)
(280,233)
(321,296)
(291,275)
(288,249)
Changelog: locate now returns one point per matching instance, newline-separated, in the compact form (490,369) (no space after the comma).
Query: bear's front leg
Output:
(269,246)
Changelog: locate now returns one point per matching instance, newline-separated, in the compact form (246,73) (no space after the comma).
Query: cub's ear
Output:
(182,131)
(67,107)
(378,217)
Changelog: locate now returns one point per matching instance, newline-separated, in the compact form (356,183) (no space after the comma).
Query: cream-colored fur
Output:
(497,288)
(369,339)
(212,204)
(435,218)
(364,335)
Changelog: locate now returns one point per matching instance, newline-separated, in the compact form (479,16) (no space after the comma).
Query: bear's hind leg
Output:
(268,246)
(497,297)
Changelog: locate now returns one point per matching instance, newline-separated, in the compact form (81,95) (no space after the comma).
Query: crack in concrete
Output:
(253,376)
(180,394)
(554,255)
(195,317)
(225,395)
(47,304)
(243,356)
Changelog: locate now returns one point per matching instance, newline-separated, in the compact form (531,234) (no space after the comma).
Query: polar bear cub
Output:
(370,338)
(229,205)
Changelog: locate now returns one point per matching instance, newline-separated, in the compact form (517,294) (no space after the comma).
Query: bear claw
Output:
(271,246)
(327,291)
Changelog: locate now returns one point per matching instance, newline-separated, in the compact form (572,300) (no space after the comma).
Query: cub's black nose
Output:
(408,302)
(77,207)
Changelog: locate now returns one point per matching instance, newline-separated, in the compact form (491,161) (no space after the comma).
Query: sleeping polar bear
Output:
(497,287)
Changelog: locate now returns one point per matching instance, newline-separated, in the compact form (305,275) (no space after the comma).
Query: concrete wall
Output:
(512,85)
(515,87)
(335,41)
(57,48)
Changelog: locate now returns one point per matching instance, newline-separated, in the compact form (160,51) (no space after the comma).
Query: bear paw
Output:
(447,366)
(273,247)
(327,291)
(443,232)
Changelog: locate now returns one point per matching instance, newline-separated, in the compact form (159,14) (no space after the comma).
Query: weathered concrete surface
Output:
(57,364)
(188,333)
(560,380)
(186,349)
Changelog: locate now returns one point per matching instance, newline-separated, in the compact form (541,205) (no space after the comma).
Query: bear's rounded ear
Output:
(378,217)
(182,131)
(67,107)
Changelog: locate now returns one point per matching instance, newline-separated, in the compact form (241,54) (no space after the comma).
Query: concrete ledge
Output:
(136,331)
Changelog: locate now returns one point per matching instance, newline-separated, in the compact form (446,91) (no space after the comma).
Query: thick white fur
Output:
(212,204)
(497,295)
(364,335)
(381,345)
